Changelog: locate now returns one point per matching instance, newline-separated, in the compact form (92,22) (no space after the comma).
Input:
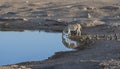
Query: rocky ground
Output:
(100,20)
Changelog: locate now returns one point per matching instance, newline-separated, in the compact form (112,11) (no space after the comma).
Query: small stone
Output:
(59,20)
(24,19)
(68,6)
(89,16)
(27,1)
(85,8)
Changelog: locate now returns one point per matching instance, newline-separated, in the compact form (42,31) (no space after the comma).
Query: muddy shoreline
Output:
(98,18)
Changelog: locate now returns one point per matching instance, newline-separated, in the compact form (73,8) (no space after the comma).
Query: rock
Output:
(85,9)
(89,16)
(68,6)
(27,1)
(25,19)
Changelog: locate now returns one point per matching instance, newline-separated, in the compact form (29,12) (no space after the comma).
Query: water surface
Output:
(24,46)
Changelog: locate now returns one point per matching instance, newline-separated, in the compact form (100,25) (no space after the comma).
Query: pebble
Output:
(89,16)
(25,19)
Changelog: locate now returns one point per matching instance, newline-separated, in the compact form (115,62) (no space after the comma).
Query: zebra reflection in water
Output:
(71,30)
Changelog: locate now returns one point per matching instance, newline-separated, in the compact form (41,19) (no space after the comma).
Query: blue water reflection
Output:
(18,47)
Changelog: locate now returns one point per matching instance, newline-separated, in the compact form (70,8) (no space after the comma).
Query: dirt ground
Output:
(97,17)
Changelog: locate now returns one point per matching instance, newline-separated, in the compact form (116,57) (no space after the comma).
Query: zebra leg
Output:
(69,33)
(69,42)
(79,32)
